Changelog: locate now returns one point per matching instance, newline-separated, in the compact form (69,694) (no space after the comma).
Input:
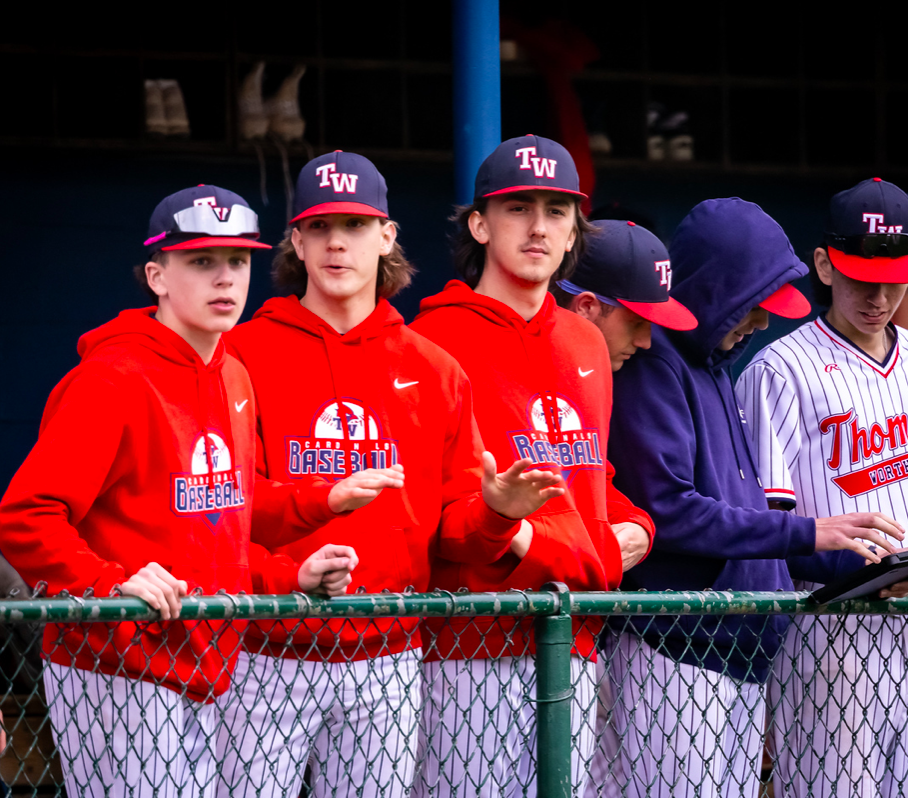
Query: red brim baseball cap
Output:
(671,314)
(527,163)
(352,208)
(516,189)
(787,302)
(222,241)
(870,270)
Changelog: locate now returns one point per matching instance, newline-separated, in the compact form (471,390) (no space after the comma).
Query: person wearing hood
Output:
(141,484)
(542,381)
(827,406)
(681,450)
(341,384)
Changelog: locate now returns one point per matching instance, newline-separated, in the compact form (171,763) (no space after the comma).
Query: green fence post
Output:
(554,638)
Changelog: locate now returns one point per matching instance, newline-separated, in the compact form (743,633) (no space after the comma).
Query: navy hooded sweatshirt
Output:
(681,452)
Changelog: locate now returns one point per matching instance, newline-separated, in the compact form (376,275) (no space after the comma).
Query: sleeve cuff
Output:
(493,524)
(316,503)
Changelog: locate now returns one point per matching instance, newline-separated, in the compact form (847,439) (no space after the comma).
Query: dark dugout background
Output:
(780,115)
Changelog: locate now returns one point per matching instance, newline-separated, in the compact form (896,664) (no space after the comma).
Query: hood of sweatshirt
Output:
(288,310)
(727,256)
(460,294)
(139,327)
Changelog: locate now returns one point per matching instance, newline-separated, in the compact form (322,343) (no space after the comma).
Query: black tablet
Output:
(866,582)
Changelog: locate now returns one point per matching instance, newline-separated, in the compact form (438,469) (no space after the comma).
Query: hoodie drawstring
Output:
(343,412)
(203,410)
(732,424)
(231,445)
(548,397)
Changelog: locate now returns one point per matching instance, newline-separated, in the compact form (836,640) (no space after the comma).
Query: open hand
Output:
(517,492)
(328,571)
(850,531)
(155,585)
(360,488)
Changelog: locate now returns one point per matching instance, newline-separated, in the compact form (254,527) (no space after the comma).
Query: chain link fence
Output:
(545,693)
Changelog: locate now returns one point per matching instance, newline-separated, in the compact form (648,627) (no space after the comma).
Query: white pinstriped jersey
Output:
(829,423)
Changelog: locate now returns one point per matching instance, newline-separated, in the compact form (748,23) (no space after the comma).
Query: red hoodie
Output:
(119,478)
(543,389)
(405,401)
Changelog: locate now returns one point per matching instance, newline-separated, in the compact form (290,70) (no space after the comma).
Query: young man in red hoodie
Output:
(162,423)
(341,384)
(543,383)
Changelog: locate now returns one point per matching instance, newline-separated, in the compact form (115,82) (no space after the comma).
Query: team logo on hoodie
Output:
(204,493)
(333,435)
(557,437)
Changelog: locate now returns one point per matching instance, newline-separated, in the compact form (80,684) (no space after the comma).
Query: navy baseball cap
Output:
(340,182)
(626,263)
(203,216)
(527,163)
(867,232)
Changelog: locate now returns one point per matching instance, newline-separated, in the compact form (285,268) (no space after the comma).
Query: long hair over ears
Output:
(470,255)
(288,272)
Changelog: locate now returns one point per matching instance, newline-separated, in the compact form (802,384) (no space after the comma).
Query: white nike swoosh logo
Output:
(584,373)
(240,405)
(399,384)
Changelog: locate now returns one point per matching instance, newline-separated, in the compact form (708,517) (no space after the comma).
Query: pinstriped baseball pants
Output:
(354,722)
(684,731)
(122,737)
(478,731)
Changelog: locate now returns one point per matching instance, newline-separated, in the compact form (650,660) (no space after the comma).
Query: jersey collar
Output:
(885,368)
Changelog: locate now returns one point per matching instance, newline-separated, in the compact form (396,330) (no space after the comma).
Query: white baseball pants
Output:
(121,737)
(606,779)
(839,697)
(478,732)
(684,731)
(355,722)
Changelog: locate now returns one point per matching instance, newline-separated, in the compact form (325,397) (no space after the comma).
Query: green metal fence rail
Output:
(441,604)
(553,612)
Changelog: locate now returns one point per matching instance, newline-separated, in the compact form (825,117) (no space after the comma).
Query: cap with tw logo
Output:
(867,232)
(340,182)
(626,264)
(201,217)
(527,163)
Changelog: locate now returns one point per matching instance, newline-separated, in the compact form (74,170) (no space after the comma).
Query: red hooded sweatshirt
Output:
(543,390)
(119,478)
(329,404)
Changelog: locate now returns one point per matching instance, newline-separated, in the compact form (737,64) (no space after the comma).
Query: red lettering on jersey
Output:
(865,443)
(835,423)
(873,477)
